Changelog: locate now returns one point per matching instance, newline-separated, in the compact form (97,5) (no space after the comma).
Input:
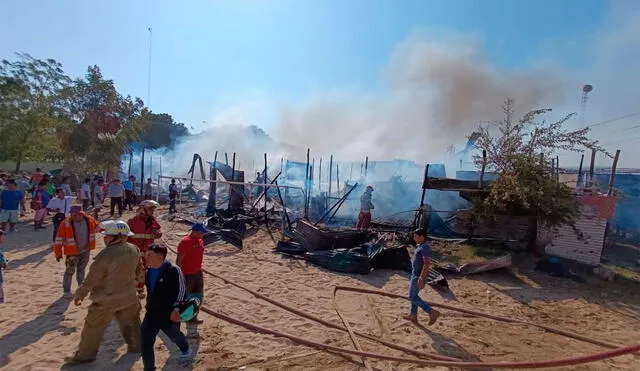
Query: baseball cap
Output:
(75,209)
(200,227)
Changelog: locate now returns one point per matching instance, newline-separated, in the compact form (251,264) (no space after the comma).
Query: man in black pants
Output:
(165,293)
(116,192)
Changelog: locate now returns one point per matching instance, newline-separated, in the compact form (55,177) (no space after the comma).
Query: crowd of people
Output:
(131,267)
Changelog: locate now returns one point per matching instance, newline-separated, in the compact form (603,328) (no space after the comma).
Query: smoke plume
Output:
(436,93)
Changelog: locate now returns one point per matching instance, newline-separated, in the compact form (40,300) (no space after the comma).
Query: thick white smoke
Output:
(435,93)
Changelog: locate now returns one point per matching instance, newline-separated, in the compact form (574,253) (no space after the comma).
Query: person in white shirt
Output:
(98,198)
(85,194)
(61,206)
(66,187)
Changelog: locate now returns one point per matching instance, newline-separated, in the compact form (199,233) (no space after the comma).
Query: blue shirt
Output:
(154,273)
(422,252)
(11,199)
(128,185)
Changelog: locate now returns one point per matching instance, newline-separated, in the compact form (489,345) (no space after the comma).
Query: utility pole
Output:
(149,71)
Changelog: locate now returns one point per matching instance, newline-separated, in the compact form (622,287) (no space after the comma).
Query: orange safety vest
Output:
(65,239)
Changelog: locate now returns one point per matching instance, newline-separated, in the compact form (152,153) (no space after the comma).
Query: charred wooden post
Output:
(336,206)
(337,179)
(484,166)
(130,161)
(211,204)
(366,166)
(330,173)
(579,181)
(262,194)
(284,207)
(557,177)
(342,200)
(320,175)
(142,173)
(613,172)
(266,189)
(361,169)
(425,184)
(226,158)
(592,166)
(233,168)
(232,188)
(313,174)
(553,168)
(306,188)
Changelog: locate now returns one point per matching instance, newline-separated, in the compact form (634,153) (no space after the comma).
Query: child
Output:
(39,202)
(3,265)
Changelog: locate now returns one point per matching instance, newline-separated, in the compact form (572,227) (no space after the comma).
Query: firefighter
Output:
(145,226)
(364,218)
(112,284)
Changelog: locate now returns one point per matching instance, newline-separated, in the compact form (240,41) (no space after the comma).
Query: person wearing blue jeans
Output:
(165,293)
(420,270)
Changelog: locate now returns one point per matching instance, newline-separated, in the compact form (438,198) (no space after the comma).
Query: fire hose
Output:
(435,359)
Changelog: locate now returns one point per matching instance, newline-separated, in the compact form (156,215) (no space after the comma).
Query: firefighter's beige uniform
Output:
(112,281)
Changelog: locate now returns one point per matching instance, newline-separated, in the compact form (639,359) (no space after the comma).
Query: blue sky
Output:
(208,55)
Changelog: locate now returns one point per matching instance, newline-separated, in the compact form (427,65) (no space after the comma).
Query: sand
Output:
(38,328)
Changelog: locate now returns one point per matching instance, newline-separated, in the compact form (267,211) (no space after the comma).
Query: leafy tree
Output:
(519,152)
(162,131)
(33,119)
(106,122)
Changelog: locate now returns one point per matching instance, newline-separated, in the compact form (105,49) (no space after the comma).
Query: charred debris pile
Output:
(316,224)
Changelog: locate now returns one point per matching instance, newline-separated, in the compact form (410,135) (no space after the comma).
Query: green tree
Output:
(519,151)
(33,119)
(106,122)
(162,131)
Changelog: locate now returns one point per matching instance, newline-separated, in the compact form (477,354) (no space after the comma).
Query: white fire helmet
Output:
(149,203)
(115,228)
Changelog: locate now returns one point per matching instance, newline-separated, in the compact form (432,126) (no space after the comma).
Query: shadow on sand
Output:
(32,331)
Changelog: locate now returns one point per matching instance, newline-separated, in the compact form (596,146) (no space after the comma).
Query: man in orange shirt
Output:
(75,239)
(190,256)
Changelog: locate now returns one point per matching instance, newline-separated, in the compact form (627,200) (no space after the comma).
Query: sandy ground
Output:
(38,328)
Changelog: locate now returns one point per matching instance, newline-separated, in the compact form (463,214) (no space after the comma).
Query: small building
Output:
(584,242)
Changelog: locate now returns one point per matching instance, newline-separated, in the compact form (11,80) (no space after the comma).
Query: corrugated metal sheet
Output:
(588,250)
(313,238)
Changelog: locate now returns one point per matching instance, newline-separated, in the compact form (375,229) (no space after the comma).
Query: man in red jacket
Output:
(144,226)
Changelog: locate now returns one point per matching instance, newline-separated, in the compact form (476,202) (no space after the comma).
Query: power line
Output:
(614,119)
(622,141)
(632,127)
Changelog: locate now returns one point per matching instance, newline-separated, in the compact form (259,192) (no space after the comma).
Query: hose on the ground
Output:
(353,337)
(321,321)
(436,359)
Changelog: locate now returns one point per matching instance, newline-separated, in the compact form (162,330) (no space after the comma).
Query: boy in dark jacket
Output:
(165,292)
